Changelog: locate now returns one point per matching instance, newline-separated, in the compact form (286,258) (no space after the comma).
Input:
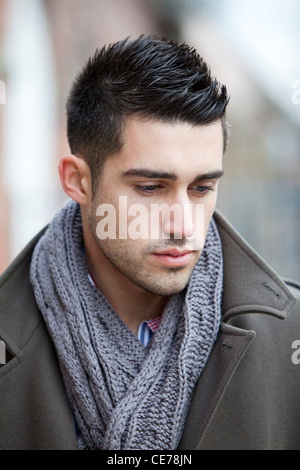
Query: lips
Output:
(173,252)
(174,257)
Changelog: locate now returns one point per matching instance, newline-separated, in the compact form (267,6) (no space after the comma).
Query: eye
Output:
(148,189)
(201,190)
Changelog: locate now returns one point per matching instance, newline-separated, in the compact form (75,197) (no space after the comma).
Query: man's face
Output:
(159,164)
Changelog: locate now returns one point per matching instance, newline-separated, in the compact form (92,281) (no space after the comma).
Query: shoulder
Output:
(19,314)
(294,288)
(21,261)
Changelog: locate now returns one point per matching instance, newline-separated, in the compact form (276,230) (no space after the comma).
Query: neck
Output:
(132,303)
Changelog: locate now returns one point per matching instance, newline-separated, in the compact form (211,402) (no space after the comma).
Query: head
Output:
(149,77)
(145,121)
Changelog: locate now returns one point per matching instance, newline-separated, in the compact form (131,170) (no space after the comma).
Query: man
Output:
(170,340)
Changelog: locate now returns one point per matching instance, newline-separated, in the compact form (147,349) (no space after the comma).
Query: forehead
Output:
(174,147)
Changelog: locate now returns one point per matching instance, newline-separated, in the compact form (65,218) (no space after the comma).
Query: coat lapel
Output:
(43,421)
(228,350)
(250,286)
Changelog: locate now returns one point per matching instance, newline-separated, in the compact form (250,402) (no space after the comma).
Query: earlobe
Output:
(75,178)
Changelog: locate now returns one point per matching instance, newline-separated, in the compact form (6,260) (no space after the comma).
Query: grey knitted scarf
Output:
(122,395)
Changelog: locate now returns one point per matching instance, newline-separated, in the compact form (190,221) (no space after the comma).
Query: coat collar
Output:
(250,285)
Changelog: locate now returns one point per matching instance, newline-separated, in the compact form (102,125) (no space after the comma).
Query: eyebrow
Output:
(145,172)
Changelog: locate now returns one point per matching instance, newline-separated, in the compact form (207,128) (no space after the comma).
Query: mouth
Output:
(173,257)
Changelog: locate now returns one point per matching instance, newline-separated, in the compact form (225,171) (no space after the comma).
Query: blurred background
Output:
(252,46)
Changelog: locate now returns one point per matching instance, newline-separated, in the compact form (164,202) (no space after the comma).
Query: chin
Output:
(166,290)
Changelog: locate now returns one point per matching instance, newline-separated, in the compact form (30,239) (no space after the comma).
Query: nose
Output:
(177,221)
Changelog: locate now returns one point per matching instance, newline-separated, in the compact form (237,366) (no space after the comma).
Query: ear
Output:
(75,177)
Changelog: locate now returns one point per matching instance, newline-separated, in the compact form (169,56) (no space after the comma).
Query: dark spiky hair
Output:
(151,77)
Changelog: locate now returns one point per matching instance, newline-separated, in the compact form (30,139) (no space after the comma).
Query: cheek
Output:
(123,253)
(212,201)
(209,208)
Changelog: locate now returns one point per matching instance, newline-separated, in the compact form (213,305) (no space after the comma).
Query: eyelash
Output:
(151,189)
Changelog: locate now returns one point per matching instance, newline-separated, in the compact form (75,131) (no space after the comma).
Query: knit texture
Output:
(124,396)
